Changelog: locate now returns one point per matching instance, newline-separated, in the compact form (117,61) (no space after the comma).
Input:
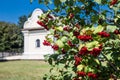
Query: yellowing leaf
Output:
(60,28)
(62,0)
(111,28)
(92,45)
(98,1)
(60,43)
(98,29)
(89,32)
(80,67)
(64,39)
(80,46)
(97,61)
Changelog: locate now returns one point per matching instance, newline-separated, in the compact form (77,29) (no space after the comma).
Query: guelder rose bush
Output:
(85,41)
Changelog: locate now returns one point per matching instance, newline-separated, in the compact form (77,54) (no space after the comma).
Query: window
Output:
(37,43)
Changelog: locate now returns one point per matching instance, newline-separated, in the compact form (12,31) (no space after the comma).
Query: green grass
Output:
(23,70)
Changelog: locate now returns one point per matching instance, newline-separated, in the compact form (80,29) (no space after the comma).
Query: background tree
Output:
(22,20)
(10,38)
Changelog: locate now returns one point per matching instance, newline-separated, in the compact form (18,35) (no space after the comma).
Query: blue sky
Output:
(11,10)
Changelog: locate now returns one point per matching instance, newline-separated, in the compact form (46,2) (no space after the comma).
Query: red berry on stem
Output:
(42,24)
(83,51)
(113,2)
(116,32)
(95,52)
(81,73)
(85,37)
(104,34)
(77,60)
(55,47)
(46,43)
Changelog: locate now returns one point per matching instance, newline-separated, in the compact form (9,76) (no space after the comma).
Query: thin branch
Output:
(114,67)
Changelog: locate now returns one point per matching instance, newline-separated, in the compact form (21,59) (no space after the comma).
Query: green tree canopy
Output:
(10,37)
(22,20)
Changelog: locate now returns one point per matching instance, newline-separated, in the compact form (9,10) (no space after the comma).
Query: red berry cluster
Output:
(49,16)
(85,37)
(63,50)
(77,60)
(46,43)
(116,32)
(42,24)
(113,2)
(45,20)
(67,28)
(70,43)
(76,33)
(81,73)
(104,34)
(92,75)
(83,51)
(89,74)
(55,47)
(95,51)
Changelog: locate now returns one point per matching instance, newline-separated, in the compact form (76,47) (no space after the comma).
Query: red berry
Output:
(95,52)
(83,51)
(113,2)
(116,32)
(42,24)
(77,60)
(81,73)
(67,28)
(71,15)
(104,34)
(92,75)
(76,33)
(49,16)
(85,37)
(55,47)
(63,51)
(70,43)
(46,43)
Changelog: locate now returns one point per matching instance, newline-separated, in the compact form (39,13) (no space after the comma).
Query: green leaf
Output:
(98,29)
(80,67)
(62,1)
(64,39)
(57,2)
(92,45)
(98,1)
(60,28)
(111,28)
(88,69)
(59,43)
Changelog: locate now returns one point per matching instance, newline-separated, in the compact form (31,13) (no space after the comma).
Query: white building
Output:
(34,35)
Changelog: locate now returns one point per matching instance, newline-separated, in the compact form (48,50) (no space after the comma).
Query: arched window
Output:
(37,43)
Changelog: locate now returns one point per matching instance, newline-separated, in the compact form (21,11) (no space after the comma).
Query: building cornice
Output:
(32,29)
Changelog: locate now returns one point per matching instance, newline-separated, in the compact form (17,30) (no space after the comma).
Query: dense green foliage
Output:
(86,39)
(11,39)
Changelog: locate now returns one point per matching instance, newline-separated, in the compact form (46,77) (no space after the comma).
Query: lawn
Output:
(23,70)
